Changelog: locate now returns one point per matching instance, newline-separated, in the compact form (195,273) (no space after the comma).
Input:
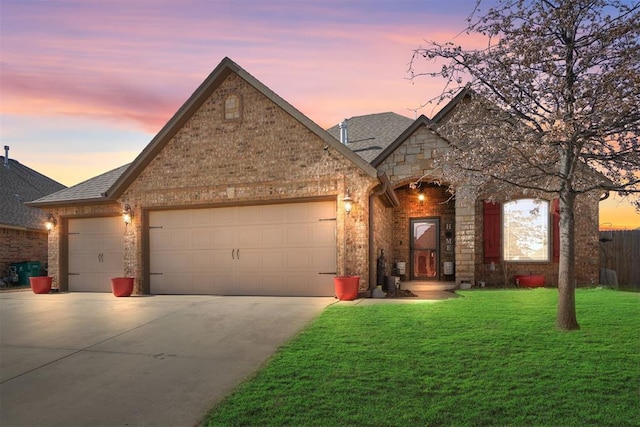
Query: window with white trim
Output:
(525,230)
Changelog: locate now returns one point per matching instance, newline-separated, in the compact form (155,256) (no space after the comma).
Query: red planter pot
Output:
(530,281)
(346,287)
(122,286)
(40,284)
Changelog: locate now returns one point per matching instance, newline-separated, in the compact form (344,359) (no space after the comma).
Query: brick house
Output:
(23,236)
(240,193)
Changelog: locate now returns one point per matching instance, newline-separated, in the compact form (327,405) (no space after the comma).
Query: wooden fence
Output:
(620,251)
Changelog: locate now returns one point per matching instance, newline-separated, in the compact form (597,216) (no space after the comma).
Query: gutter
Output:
(385,188)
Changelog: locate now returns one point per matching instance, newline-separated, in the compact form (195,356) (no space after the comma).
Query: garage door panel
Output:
(201,261)
(272,236)
(324,259)
(222,238)
(248,236)
(89,282)
(83,262)
(170,261)
(200,217)
(201,239)
(272,214)
(95,253)
(298,235)
(324,234)
(223,216)
(85,242)
(300,260)
(273,259)
(248,250)
(222,260)
(180,238)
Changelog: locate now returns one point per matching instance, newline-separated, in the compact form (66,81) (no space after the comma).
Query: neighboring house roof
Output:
(91,190)
(195,101)
(369,135)
(20,184)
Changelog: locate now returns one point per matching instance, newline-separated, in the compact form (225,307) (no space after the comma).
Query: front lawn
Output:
(487,358)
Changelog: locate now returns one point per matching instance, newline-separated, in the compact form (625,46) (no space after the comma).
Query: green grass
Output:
(488,358)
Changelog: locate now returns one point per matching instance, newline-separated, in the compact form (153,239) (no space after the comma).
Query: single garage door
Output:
(283,249)
(96,253)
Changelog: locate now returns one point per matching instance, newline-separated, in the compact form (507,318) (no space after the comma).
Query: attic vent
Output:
(232,107)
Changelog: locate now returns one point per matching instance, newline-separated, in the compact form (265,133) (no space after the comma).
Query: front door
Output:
(425,234)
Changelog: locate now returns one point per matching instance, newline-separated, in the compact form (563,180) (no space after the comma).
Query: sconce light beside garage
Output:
(348,202)
(127,214)
(51,222)
(421,197)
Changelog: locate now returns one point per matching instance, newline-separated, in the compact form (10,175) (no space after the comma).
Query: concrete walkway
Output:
(86,359)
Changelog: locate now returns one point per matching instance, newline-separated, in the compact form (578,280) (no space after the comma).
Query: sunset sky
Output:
(86,84)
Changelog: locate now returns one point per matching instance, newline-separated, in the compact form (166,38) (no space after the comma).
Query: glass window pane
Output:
(424,235)
(526,230)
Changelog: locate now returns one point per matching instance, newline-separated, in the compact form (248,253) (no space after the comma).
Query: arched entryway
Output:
(423,232)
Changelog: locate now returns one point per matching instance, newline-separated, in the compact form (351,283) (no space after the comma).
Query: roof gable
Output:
(417,123)
(110,186)
(206,89)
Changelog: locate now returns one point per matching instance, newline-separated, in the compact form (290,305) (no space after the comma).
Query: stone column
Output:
(465,233)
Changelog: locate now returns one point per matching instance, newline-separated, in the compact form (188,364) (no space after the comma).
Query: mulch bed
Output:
(402,293)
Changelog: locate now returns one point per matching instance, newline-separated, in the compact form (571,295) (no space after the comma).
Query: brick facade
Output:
(22,245)
(264,156)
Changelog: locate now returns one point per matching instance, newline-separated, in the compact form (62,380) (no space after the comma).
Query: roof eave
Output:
(452,104)
(62,203)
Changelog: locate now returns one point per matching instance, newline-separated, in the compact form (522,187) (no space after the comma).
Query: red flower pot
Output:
(346,287)
(530,281)
(122,286)
(41,284)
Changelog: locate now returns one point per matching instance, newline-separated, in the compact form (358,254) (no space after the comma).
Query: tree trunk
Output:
(566,317)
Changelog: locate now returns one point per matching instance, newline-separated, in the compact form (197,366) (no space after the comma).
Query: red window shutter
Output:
(555,225)
(491,232)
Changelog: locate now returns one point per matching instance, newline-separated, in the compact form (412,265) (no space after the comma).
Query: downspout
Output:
(384,182)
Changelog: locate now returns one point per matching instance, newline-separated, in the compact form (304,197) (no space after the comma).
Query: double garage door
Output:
(284,249)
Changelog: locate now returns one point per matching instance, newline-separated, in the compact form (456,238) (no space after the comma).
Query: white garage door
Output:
(96,253)
(285,249)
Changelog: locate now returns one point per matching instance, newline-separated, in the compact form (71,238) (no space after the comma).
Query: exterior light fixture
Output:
(127,214)
(51,222)
(348,202)
(421,197)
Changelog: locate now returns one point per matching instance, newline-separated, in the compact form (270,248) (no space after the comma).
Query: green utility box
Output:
(25,270)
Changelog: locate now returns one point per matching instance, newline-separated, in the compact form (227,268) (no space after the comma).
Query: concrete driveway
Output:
(86,359)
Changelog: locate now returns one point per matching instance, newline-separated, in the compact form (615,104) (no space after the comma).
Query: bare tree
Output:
(556,106)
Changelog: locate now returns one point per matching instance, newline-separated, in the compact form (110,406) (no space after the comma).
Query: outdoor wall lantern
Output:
(421,197)
(127,214)
(348,202)
(51,222)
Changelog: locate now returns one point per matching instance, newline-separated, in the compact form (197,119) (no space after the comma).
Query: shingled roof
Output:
(93,189)
(369,135)
(20,184)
